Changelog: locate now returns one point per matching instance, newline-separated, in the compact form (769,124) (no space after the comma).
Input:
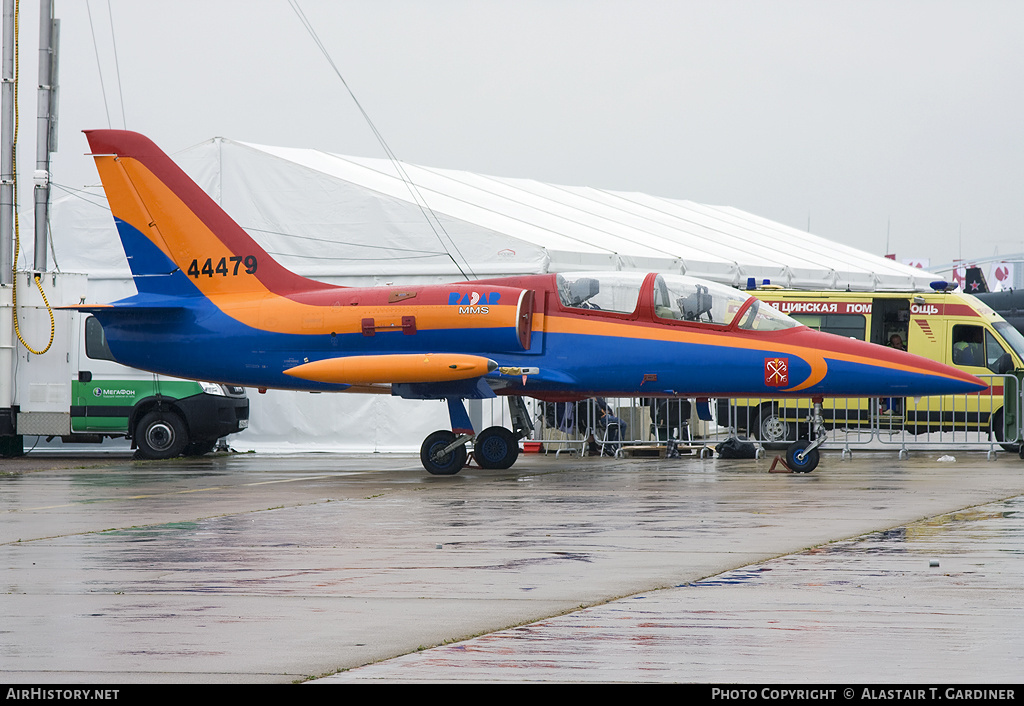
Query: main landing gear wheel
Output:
(496,447)
(450,463)
(805,465)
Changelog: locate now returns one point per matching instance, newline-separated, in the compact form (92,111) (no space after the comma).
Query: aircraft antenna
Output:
(99,65)
(96,49)
(117,64)
(417,197)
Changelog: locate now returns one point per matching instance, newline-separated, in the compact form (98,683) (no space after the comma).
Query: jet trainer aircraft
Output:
(213,305)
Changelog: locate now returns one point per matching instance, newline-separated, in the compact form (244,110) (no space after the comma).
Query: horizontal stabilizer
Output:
(121,308)
(396,368)
(86,308)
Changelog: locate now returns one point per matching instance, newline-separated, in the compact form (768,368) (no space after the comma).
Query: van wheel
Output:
(772,429)
(998,432)
(160,435)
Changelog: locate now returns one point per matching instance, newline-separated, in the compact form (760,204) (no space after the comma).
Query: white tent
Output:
(358,221)
(370,218)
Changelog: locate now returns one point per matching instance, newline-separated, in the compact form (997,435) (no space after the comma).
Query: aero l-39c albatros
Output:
(213,305)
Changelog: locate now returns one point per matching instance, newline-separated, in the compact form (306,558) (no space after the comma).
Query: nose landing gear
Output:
(802,456)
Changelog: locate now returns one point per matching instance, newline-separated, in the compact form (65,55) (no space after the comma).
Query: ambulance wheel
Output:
(160,435)
(998,432)
(449,464)
(496,447)
(809,462)
(772,429)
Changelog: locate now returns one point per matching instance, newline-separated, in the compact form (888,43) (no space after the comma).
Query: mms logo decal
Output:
(473,302)
(473,298)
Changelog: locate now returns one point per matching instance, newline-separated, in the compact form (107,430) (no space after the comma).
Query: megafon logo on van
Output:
(100,392)
(473,302)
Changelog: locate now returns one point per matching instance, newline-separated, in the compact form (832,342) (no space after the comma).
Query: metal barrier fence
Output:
(599,426)
(987,419)
(982,421)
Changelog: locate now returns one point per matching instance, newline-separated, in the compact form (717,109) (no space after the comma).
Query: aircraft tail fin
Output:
(176,238)
(974,282)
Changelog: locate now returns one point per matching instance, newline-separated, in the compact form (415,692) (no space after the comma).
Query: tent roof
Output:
(628,230)
(326,215)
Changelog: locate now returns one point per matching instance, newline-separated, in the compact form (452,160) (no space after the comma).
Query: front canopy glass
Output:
(617,292)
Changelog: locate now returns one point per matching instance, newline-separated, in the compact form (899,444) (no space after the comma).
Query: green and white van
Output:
(164,417)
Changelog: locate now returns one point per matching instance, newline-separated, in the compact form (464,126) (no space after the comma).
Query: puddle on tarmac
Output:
(730,578)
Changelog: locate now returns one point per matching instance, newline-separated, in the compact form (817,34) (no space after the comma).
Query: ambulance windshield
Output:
(1012,337)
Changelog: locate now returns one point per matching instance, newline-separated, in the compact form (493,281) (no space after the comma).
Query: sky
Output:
(892,125)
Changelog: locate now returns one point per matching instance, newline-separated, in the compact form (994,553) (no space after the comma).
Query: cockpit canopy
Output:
(675,297)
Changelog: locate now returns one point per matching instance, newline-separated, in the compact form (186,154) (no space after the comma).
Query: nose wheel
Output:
(802,456)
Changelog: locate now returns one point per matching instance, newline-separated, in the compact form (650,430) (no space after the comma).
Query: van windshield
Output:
(96,341)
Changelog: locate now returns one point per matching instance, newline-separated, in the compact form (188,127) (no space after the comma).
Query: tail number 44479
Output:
(226,266)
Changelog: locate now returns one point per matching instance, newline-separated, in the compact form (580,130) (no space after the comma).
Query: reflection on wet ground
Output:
(255,568)
(934,601)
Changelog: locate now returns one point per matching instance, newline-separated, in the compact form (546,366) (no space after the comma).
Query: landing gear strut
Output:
(443,453)
(802,456)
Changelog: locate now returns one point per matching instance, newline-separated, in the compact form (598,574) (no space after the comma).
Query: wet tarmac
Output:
(254,568)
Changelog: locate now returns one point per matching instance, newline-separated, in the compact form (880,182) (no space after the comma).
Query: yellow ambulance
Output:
(950,327)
